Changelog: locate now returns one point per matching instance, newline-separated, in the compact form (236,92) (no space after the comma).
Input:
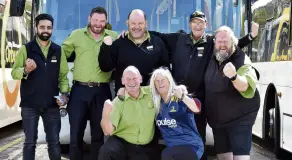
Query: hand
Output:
(65,100)
(123,34)
(30,65)
(254,29)
(108,40)
(184,89)
(229,70)
(121,92)
(178,92)
(107,108)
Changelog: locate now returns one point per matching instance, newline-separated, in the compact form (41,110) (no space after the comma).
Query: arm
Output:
(18,67)
(246,81)
(108,56)
(169,40)
(181,93)
(191,104)
(247,39)
(63,79)
(110,116)
(68,45)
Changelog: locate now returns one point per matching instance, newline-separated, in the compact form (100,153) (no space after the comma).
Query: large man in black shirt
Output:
(140,49)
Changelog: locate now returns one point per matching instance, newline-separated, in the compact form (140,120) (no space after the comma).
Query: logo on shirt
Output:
(172,109)
(171,123)
(54,59)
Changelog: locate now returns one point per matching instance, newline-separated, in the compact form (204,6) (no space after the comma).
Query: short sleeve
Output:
(115,115)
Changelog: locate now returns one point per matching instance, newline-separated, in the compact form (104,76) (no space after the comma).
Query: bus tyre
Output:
(277,125)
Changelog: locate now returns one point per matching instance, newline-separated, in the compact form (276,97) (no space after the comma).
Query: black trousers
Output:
(182,152)
(201,122)
(116,148)
(86,103)
(52,125)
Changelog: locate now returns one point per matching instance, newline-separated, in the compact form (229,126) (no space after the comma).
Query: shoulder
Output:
(78,31)
(155,39)
(117,102)
(113,34)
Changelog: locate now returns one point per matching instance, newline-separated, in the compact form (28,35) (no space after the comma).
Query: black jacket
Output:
(190,61)
(148,56)
(224,105)
(41,85)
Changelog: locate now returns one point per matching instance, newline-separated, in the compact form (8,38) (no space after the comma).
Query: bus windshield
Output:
(162,15)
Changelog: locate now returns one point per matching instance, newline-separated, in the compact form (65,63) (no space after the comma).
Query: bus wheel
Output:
(277,126)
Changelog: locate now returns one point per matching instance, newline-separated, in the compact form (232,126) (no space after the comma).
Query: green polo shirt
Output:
(250,74)
(86,66)
(134,118)
(18,66)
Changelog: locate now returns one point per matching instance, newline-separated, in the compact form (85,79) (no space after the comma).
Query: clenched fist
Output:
(254,29)
(108,40)
(30,65)
(229,70)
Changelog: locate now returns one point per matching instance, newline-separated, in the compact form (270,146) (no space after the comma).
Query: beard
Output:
(44,37)
(96,29)
(223,53)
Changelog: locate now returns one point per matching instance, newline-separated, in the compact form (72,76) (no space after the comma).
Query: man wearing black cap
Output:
(42,68)
(190,55)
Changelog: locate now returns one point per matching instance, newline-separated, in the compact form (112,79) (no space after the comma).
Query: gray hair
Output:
(229,31)
(155,95)
(132,69)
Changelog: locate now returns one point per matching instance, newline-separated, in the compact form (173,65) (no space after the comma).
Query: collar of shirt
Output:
(200,40)
(142,92)
(44,49)
(103,34)
(147,37)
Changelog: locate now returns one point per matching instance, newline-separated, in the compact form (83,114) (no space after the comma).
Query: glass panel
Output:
(163,15)
(274,19)
(16,32)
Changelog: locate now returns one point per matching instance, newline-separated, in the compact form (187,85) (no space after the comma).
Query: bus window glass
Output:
(272,41)
(162,15)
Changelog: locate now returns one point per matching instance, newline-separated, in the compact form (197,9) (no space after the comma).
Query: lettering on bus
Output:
(10,54)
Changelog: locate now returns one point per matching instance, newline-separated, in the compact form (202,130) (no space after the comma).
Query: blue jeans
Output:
(52,125)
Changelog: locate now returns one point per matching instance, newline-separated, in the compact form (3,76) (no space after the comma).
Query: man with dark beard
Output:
(90,84)
(42,68)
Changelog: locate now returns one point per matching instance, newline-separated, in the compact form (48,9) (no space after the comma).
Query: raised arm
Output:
(110,116)
(247,39)
(108,54)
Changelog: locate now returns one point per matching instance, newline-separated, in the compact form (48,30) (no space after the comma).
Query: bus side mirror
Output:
(17,7)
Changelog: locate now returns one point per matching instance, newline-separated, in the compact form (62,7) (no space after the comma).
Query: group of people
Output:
(210,80)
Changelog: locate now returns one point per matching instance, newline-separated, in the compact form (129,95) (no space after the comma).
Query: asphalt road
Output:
(12,138)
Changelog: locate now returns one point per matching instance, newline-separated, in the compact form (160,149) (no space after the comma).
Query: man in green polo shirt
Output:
(130,122)
(90,84)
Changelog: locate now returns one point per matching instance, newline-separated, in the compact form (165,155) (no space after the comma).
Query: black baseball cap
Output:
(199,15)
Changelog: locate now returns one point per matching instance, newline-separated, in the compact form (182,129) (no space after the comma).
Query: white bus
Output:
(271,54)
(15,30)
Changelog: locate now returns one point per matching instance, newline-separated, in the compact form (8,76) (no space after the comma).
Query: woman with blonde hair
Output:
(175,117)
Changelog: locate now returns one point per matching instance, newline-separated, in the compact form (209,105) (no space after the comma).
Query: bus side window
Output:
(17,7)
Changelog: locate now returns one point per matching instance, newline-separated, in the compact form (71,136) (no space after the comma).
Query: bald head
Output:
(132,80)
(137,12)
(137,25)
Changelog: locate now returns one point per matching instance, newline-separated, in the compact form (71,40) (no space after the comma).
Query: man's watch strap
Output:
(233,78)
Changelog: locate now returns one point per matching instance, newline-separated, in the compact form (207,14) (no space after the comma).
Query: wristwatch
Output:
(233,78)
